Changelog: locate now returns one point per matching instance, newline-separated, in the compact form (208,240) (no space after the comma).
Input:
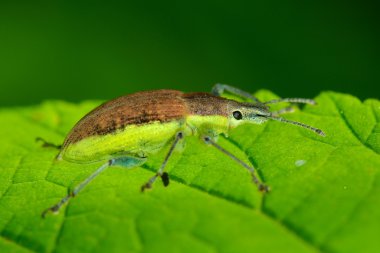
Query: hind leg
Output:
(46,144)
(127,162)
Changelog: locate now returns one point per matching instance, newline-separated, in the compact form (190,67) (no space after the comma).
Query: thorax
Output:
(211,125)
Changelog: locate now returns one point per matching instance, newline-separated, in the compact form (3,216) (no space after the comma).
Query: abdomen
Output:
(137,124)
(134,140)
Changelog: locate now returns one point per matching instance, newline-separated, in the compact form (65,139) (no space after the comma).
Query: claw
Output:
(54,209)
(165,179)
(146,186)
(264,188)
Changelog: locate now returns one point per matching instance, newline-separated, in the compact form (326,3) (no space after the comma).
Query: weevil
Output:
(127,130)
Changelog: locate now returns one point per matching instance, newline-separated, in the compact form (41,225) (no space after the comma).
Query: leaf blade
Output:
(322,187)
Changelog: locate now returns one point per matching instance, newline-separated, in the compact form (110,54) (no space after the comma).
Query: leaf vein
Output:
(350,127)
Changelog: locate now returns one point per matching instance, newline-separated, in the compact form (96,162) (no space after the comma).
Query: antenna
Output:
(316,130)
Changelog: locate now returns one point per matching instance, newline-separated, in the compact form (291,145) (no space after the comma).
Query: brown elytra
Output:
(144,107)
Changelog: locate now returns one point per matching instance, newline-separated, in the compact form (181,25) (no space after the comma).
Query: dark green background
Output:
(77,50)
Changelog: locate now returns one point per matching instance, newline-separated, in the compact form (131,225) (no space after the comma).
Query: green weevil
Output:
(125,131)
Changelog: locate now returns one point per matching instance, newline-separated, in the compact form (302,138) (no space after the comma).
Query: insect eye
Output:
(237,115)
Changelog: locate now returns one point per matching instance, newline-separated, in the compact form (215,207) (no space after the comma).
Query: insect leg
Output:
(219,89)
(262,187)
(121,161)
(292,100)
(289,108)
(160,173)
(282,111)
(46,144)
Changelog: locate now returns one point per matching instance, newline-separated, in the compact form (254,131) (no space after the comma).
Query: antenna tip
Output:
(320,132)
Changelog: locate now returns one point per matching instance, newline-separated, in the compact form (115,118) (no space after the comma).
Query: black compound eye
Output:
(237,115)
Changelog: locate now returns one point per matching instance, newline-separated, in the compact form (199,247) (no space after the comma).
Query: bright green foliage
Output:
(325,191)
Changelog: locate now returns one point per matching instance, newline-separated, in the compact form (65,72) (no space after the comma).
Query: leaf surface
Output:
(324,198)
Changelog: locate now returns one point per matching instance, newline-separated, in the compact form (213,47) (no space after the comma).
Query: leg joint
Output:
(111,161)
(207,139)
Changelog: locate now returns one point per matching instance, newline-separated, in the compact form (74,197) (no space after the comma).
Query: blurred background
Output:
(75,50)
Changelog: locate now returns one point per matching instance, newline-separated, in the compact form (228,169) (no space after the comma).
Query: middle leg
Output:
(160,173)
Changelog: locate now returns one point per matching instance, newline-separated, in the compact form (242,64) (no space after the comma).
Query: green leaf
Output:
(325,191)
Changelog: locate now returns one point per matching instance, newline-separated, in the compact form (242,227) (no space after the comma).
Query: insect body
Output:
(126,130)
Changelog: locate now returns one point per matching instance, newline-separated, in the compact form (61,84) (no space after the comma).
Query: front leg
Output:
(261,186)
(219,89)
